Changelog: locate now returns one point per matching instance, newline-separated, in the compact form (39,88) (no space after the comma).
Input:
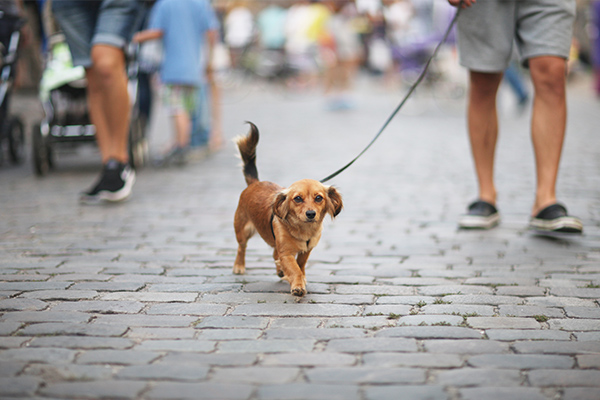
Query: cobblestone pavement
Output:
(138,301)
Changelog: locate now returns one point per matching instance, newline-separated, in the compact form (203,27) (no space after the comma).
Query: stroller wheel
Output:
(41,152)
(16,141)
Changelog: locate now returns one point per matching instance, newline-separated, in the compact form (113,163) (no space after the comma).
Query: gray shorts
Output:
(487,30)
(89,22)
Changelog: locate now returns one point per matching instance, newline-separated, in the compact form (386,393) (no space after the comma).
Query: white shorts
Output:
(487,30)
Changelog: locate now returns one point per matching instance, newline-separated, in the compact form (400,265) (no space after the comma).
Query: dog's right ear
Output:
(280,205)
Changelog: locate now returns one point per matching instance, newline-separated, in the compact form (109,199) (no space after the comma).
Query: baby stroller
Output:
(67,123)
(12,135)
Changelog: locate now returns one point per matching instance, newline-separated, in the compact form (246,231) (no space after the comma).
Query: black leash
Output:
(408,94)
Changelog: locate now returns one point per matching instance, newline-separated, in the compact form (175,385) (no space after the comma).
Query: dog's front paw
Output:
(298,291)
(239,269)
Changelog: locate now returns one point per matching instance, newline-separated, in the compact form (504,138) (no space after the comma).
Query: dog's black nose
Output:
(311,214)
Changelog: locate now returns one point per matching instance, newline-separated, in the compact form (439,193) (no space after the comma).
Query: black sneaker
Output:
(555,219)
(115,184)
(480,215)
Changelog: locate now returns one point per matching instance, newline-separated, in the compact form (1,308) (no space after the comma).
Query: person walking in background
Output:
(595,36)
(184,26)
(543,32)
(97,32)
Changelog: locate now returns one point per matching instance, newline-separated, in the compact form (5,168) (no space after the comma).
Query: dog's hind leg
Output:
(242,233)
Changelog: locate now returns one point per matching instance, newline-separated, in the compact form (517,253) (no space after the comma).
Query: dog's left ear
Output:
(335,202)
(280,205)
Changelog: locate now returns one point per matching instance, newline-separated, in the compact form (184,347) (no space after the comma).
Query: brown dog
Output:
(290,220)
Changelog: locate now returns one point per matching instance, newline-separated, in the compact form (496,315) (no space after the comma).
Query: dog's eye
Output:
(318,199)
(298,199)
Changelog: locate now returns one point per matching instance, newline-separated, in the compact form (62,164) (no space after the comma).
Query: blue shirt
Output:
(184,24)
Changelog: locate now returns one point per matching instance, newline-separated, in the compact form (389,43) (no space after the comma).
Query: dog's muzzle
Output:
(311,214)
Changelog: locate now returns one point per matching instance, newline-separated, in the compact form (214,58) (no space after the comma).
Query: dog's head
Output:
(307,201)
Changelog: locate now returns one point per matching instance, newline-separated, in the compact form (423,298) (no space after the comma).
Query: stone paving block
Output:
(575,324)
(194,287)
(64,329)
(107,286)
(520,361)
(482,299)
(22,305)
(363,345)
(466,346)
(588,361)
(267,346)
(341,279)
(159,321)
(520,291)
(40,355)
(11,368)
(362,375)
(198,309)
(233,321)
(298,309)
(314,333)
(416,360)
(429,392)
(203,346)
(229,334)
(553,301)
(200,391)
(586,293)
(211,359)
(160,333)
(376,322)
(13,342)
(18,386)
(529,311)
(235,298)
(503,323)
(9,328)
(378,290)
(587,336)
(502,393)
(352,299)
(583,312)
(159,297)
(45,316)
(445,290)
(511,335)
(562,378)
(581,393)
(551,347)
(34,286)
(95,389)
(387,310)
(314,359)
(480,377)
(81,342)
(431,320)
(100,307)
(295,323)
(500,281)
(411,300)
(458,309)
(256,375)
(305,391)
(70,372)
(118,357)
(58,295)
(431,332)
(160,371)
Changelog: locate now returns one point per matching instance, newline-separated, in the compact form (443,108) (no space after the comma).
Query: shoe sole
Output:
(567,224)
(478,222)
(106,196)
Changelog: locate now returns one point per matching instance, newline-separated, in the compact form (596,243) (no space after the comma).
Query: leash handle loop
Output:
(408,94)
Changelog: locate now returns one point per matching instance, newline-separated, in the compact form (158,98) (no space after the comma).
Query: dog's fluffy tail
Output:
(247,146)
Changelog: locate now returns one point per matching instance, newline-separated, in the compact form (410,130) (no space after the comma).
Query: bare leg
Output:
(548,124)
(183,128)
(483,129)
(108,102)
